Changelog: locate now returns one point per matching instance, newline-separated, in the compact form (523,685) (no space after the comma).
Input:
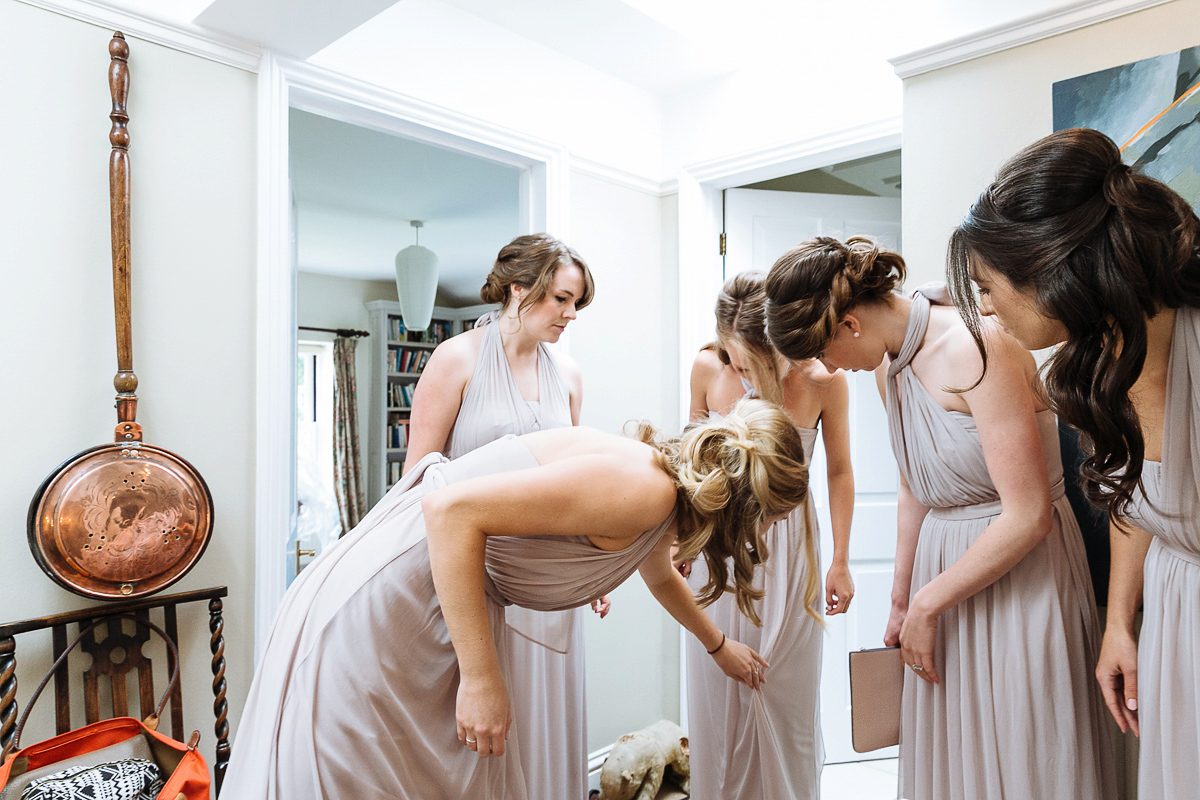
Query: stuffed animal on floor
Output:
(637,763)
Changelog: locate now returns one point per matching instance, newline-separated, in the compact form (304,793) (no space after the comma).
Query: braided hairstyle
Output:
(531,262)
(812,286)
(731,474)
(1101,248)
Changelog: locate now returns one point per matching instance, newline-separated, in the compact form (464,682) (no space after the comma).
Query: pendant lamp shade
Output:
(416,284)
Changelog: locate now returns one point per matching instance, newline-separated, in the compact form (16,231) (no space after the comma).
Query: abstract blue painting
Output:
(1150,108)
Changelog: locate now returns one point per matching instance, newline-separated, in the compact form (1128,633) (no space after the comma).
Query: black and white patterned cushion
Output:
(128,779)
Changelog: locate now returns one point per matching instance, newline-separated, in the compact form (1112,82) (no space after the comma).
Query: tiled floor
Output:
(862,780)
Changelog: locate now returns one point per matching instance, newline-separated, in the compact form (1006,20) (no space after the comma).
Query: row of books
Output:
(397,433)
(394,468)
(407,360)
(438,331)
(400,394)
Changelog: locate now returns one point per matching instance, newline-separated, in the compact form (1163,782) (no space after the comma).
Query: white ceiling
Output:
(357,189)
(662,46)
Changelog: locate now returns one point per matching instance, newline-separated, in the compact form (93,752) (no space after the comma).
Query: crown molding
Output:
(1028,29)
(186,38)
(798,156)
(620,177)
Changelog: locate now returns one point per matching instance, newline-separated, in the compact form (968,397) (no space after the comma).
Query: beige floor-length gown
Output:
(354,695)
(1018,714)
(545,647)
(767,743)
(1169,643)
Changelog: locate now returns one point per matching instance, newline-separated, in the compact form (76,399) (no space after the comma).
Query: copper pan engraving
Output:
(124,519)
(120,521)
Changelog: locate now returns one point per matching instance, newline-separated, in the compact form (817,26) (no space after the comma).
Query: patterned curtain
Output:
(348,483)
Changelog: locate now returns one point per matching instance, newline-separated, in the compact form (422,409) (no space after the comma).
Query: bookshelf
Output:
(397,359)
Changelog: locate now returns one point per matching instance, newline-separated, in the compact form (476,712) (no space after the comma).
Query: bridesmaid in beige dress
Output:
(385,675)
(992,603)
(768,743)
(501,378)
(1103,261)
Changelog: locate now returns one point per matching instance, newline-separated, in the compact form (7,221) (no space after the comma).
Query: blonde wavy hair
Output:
(741,318)
(731,475)
(812,286)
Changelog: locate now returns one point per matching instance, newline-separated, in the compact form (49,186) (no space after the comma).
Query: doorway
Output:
(762,221)
(839,188)
(286,86)
(356,192)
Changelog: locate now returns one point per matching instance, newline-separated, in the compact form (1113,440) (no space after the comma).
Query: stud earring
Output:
(856,334)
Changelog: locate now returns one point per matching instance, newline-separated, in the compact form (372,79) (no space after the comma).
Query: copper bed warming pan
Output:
(125,519)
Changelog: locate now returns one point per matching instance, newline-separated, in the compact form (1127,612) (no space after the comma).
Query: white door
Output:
(761,226)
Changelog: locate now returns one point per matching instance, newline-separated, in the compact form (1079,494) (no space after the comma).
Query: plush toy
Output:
(636,764)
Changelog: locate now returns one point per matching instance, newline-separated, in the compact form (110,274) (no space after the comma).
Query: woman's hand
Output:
(839,589)
(602,606)
(917,636)
(483,715)
(1116,670)
(891,634)
(741,663)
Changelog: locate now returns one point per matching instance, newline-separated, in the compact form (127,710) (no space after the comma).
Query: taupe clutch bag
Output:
(876,681)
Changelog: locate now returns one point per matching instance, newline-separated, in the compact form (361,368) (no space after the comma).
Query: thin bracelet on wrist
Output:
(716,649)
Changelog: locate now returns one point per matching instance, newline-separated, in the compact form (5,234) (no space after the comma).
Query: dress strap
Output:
(1181,430)
(923,297)
(488,318)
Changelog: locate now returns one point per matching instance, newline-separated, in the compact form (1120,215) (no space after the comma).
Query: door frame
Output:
(701,224)
(283,84)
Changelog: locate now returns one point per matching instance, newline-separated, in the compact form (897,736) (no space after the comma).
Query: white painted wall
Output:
(459,61)
(327,301)
(962,122)
(624,343)
(192,129)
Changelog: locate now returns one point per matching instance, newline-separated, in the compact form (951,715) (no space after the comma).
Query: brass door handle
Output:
(300,552)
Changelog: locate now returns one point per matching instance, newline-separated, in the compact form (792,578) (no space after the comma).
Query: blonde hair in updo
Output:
(733,473)
(812,286)
(741,318)
(531,262)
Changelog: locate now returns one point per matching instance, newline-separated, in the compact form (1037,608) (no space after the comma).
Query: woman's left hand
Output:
(602,606)
(741,663)
(917,637)
(839,589)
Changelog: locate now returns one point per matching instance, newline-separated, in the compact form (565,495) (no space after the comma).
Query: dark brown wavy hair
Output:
(1101,248)
(812,286)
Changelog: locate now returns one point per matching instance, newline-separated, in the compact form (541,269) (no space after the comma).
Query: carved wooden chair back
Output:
(117,649)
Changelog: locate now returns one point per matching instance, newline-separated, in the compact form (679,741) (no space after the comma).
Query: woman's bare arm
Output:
(438,397)
(1116,668)
(1004,412)
(672,592)
(835,433)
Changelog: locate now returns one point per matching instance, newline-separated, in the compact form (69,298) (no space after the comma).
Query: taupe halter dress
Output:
(546,649)
(354,695)
(767,743)
(1169,643)
(1018,713)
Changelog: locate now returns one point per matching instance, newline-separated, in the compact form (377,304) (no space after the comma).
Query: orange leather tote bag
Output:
(182,768)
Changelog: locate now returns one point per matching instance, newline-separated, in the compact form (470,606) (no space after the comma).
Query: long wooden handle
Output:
(125,381)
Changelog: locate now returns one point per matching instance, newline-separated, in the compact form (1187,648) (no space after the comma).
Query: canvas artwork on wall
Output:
(1150,108)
